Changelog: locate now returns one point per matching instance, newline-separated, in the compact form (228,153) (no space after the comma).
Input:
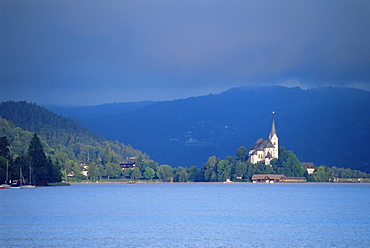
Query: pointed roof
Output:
(273,128)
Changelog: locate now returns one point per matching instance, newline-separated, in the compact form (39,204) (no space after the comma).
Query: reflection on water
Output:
(187,215)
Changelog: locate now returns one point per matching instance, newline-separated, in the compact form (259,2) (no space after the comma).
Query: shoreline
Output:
(142,182)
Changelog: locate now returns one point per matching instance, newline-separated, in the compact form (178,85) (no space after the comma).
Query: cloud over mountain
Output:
(78,53)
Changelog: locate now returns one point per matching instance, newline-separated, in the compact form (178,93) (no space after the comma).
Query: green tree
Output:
(209,170)
(4,163)
(55,174)
(117,170)
(287,164)
(181,174)
(165,173)
(112,170)
(127,173)
(140,163)
(348,173)
(109,169)
(149,173)
(4,148)
(241,154)
(93,171)
(151,164)
(101,171)
(223,171)
(195,175)
(240,170)
(108,155)
(136,173)
(322,174)
(258,168)
(43,167)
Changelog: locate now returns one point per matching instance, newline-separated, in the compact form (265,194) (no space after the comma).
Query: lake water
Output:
(187,215)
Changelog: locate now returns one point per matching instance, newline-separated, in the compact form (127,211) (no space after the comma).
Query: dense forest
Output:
(321,125)
(64,141)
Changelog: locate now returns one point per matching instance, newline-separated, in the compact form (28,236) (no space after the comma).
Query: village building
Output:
(310,167)
(275,178)
(263,151)
(129,162)
(84,169)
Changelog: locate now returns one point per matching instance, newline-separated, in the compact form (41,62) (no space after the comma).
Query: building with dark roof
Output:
(310,167)
(128,163)
(263,151)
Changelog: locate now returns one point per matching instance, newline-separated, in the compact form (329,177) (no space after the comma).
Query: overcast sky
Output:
(93,52)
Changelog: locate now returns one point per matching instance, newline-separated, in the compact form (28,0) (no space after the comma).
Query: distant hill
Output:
(323,125)
(88,112)
(62,137)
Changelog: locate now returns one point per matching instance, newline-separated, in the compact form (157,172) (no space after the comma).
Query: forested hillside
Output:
(322,125)
(88,112)
(63,138)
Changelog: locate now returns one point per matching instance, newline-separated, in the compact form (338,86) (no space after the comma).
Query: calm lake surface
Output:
(187,215)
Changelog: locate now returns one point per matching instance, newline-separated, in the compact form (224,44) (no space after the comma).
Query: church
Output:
(263,151)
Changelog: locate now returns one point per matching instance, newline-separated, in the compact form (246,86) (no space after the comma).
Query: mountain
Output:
(322,125)
(86,112)
(62,137)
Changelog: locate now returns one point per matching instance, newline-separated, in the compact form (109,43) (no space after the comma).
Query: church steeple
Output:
(273,128)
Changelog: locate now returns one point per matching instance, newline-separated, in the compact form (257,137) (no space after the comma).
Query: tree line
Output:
(215,170)
(35,164)
(48,168)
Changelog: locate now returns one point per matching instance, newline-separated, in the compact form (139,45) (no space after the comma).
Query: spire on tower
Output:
(273,128)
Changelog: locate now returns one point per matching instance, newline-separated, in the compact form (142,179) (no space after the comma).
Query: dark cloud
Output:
(106,51)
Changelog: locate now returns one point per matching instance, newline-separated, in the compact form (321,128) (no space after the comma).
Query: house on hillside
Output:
(84,169)
(263,151)
(129,162)
(310,167)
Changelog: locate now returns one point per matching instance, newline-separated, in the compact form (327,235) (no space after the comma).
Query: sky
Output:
(73,52)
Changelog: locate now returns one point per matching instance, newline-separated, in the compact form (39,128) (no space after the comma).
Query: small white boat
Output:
(27,186)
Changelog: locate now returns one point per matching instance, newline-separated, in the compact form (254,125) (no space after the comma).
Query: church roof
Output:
(261,144)
(269,144)
(309,165)
(254,153)
(257,143)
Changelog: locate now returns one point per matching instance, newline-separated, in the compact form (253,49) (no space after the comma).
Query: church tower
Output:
(274,139)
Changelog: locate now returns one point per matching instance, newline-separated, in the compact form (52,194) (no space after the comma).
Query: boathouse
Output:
(267,178)
(275,178)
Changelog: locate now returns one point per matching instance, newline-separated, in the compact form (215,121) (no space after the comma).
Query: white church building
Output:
(263,151)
